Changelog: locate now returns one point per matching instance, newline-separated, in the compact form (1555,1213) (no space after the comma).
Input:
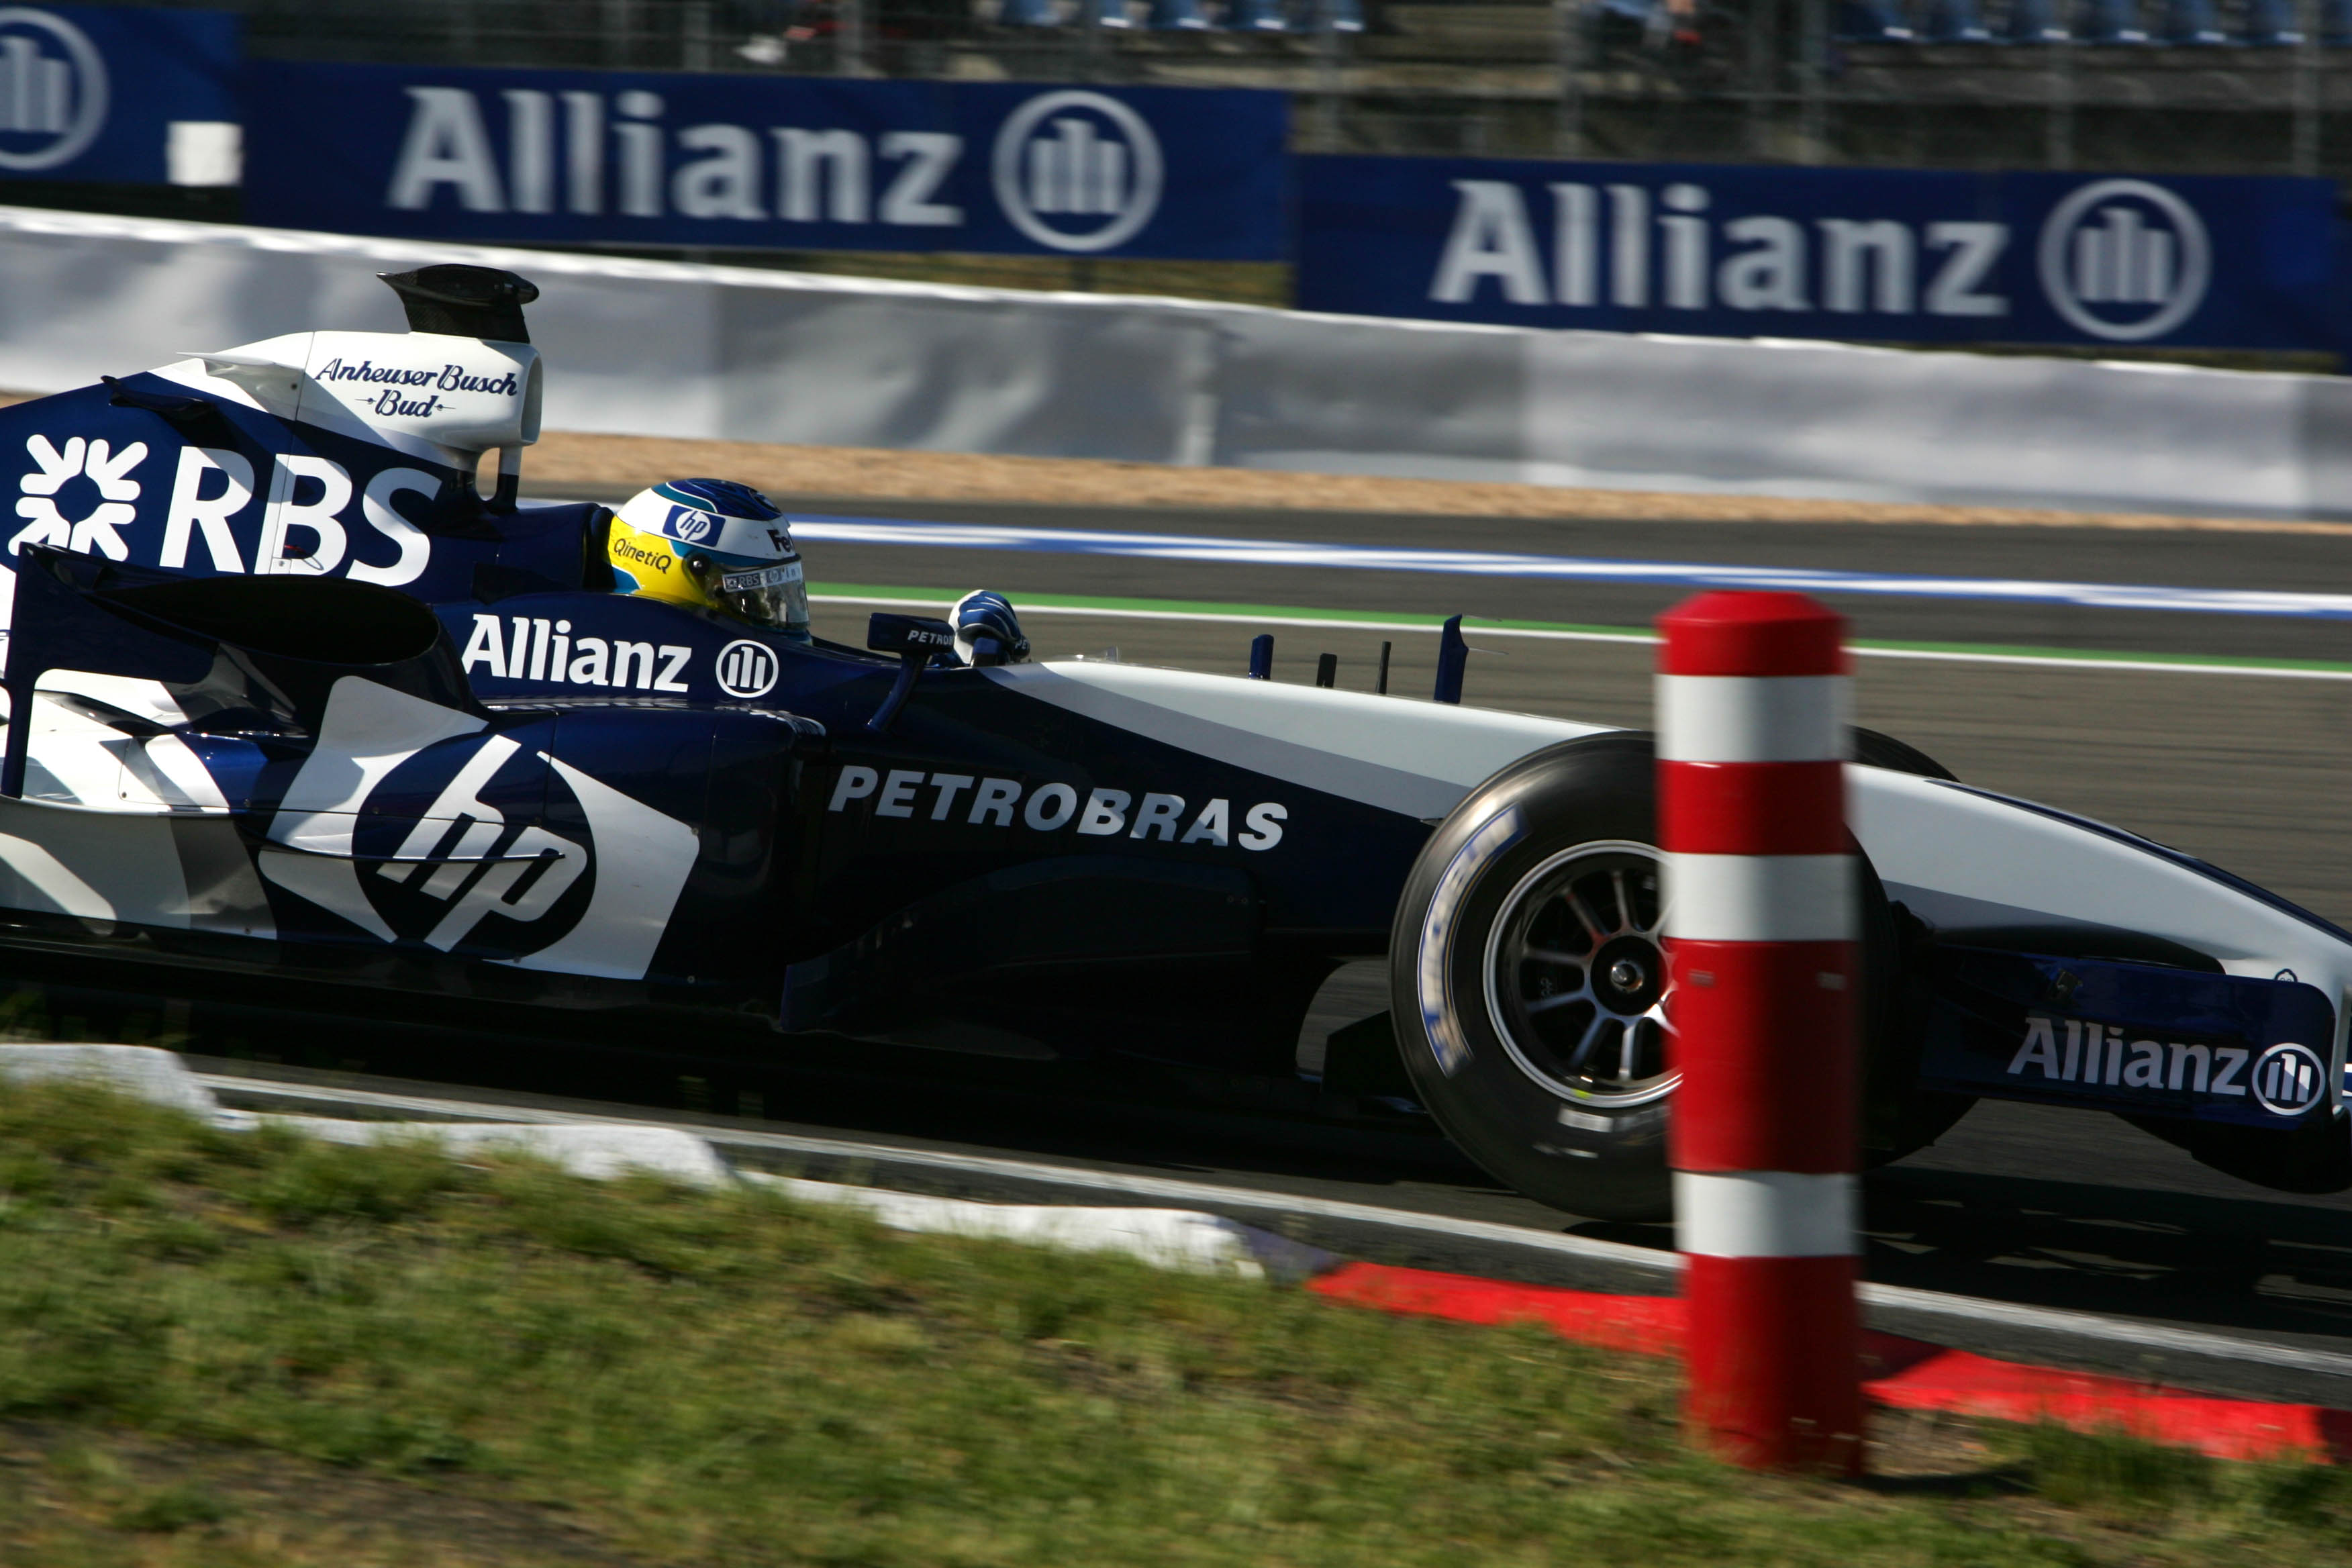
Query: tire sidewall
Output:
(1609,1162)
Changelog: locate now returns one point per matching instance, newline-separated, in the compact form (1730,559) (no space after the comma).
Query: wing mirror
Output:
(915,640)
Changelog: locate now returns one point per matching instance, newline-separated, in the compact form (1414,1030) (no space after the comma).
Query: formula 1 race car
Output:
(292,704)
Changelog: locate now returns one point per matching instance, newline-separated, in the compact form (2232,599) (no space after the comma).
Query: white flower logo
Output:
(103,467)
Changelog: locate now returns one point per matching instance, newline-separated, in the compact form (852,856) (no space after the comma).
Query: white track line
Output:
(1660,1266)
(1948,656)
(892,530)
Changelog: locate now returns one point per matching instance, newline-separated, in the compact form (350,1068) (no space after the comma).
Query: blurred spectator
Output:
(2270,23)
(1956,22)
(1657,23)
(1872,22)
(1176,17)
(2116,22)
(1255,16)
(2192,22)
(1345,16)
(2036,22)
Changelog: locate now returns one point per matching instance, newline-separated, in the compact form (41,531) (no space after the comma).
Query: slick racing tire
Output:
(1528,986)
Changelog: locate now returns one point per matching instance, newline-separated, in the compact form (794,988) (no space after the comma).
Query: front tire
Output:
(1529,990)
(1527,985)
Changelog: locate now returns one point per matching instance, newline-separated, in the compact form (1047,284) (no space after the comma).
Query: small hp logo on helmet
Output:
(690,525)
(2125,260)
(53,93)
(1077,171)
(747,668)
(2289,1079)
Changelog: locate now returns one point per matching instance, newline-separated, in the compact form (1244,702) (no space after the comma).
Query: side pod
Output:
(218,642)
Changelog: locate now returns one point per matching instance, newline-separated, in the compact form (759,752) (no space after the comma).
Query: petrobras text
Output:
(766,160)
(1880,255)
(974,799)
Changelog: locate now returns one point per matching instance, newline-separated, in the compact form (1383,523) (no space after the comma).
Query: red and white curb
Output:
(1900,1372)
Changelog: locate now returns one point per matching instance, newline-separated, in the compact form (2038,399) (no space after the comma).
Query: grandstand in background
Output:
(2172,85)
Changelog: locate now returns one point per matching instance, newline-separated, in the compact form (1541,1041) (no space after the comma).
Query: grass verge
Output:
(247,1349)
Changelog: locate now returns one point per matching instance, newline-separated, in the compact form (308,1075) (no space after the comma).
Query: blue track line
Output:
(1577,568)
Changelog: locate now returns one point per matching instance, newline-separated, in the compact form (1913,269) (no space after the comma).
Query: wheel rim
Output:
(1577,985)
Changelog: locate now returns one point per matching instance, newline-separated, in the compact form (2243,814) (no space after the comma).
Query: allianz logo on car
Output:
(546,650)
(2285,1078)
(540,649)
(2123,260)
(1073,170)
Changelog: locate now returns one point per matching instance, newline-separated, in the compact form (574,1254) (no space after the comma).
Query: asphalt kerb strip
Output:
(1900,1372)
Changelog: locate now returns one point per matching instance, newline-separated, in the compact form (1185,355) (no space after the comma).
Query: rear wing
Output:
(320,454)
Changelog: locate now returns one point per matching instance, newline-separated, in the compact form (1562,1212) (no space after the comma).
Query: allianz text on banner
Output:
(118,95)
(789,163)
(1871,254)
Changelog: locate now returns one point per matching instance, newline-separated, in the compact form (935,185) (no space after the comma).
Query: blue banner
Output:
(118,95)
(1870,255)
(778,162)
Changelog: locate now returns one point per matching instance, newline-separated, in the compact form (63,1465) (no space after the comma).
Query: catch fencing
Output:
(669,349)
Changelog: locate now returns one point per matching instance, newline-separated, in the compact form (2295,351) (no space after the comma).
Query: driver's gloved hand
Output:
(986,629)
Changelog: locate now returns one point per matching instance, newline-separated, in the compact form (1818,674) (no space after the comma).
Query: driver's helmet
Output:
(714,544)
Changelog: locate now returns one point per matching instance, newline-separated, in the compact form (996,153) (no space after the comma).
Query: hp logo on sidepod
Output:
(1077,171)
(53,93)
(2125,260)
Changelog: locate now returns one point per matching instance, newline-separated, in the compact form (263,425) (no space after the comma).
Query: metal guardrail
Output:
(907,366)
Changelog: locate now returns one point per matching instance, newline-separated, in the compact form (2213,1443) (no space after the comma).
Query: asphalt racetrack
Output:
(2247,769)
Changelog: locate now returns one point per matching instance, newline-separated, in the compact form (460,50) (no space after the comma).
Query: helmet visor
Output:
(774,596)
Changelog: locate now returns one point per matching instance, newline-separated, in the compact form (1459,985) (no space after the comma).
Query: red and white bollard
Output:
(1760,938)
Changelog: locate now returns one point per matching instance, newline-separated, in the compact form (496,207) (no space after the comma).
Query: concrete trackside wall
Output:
(665,349)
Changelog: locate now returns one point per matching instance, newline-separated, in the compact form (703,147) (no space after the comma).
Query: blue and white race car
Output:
(293,706)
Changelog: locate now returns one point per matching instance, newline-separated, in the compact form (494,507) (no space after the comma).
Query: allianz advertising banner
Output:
(780,163)
(1872,255)
(118,95)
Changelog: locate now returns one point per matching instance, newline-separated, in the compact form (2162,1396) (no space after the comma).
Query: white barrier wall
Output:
(664,349)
